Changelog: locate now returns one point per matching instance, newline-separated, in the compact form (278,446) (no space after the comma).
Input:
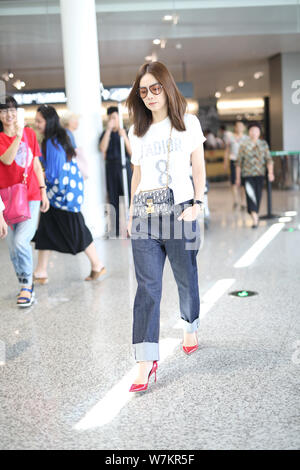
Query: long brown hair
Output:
(141,115)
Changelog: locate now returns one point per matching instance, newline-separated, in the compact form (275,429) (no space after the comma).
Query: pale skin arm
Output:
(8,157)
(3,226)
(135,181)
(199,179)
(270,167)
(40,176)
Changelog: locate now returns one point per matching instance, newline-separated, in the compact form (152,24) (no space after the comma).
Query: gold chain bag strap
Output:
(155,201)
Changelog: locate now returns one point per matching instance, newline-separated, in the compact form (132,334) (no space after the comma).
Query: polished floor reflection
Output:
(66,363)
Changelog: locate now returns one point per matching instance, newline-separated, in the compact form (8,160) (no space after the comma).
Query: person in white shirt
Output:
(162,132)
(3,225)
(233,143)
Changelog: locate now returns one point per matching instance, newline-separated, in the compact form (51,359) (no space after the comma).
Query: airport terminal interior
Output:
(66,361)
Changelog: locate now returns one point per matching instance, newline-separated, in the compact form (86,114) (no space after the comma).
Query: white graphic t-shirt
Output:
(151,153)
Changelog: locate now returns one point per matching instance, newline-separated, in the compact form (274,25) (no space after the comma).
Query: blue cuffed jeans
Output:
(152,240)
(20,250)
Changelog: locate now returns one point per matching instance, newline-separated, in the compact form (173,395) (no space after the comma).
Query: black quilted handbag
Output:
(155,202)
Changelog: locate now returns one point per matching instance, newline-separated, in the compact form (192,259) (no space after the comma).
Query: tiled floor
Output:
(64,380)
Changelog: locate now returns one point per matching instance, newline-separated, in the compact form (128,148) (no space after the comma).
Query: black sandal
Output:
(28,301)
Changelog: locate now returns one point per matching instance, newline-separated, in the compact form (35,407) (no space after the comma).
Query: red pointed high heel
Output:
(191,349)
(143,387)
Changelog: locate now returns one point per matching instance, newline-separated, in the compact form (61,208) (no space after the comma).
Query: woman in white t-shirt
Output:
(160,128)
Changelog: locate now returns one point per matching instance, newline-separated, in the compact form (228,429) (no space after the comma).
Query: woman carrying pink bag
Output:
(19,149)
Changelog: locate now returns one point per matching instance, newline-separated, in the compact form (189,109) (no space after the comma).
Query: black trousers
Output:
(114,183)
(253,188)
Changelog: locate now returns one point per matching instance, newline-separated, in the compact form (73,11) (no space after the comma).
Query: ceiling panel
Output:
(219,45)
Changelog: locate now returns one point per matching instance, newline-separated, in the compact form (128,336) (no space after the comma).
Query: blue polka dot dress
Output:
(62,228)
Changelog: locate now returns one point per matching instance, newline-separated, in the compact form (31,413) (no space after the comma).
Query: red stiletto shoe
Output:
(143,387)
(191,349)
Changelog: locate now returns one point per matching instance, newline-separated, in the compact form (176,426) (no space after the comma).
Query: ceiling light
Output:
(193,106)
(229,89)
(168,18)
(241,83)
(7,75)
(218,94)
(178,46)
(17,84)
(234,105)
(156,41)
(148,58)
(258,75)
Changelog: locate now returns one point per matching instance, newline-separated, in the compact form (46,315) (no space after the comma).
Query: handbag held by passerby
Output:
(15,198)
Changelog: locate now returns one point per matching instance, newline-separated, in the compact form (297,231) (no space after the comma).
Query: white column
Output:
(82,79)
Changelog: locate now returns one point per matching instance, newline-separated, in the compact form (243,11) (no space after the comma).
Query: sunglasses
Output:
(155,89)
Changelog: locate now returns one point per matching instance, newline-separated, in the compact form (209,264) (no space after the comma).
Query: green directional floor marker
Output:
(243,293)
(291,229)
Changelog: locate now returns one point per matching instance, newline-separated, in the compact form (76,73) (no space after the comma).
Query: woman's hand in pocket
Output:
(190,214)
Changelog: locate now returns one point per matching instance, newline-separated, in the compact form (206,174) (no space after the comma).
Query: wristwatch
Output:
(197,201)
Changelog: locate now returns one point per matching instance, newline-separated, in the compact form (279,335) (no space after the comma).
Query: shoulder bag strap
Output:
(25,174)
(168,159)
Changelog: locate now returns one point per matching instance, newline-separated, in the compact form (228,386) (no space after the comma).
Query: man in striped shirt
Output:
(253,159)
